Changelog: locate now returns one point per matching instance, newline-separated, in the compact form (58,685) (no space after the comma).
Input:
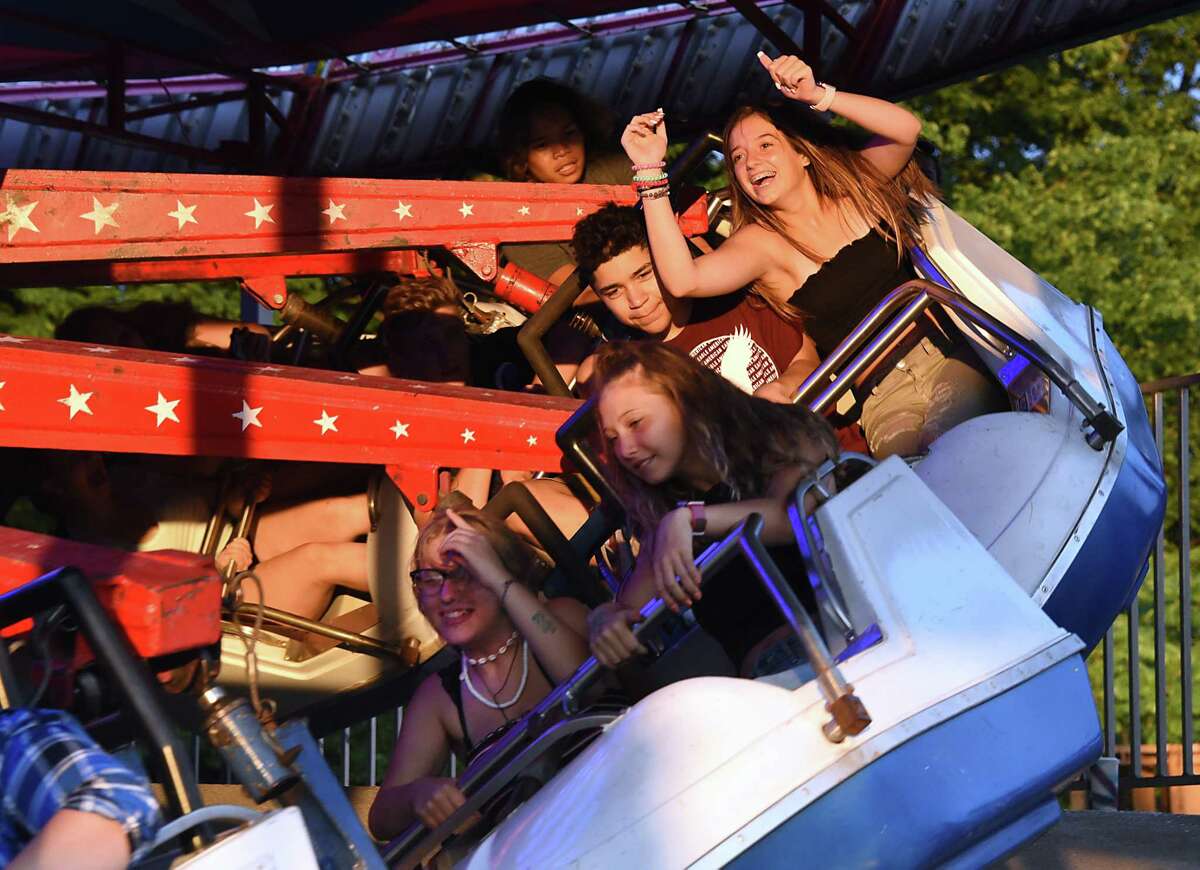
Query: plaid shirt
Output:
(48,763)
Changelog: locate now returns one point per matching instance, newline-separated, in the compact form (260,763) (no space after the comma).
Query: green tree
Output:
(1082,165)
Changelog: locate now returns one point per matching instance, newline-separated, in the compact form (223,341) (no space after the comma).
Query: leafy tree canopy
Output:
(1083,165)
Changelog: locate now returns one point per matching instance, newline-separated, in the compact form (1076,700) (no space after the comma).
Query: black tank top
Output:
(847,286)
(449,676)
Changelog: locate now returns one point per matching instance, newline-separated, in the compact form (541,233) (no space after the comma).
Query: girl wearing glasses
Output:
(474,582)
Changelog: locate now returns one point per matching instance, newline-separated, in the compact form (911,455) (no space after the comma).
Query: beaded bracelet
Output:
(655,193)
(659,176)
(638,167)
(647,185)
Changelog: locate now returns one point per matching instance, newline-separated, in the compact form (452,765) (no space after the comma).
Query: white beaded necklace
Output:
(497,704)
(512,638)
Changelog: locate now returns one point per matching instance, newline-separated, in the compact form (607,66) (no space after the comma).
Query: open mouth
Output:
(456,616)
(568,169)
(762,178)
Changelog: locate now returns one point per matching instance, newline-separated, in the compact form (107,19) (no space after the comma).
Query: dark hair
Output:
(839,171)
(421,293)
(533,97)
(605,234)
(427,346)
(745,440)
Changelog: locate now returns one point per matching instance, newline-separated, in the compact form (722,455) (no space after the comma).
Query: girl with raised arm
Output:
(822,229)
(475,582)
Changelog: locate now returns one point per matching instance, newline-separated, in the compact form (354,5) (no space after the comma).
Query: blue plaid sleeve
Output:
(47,763)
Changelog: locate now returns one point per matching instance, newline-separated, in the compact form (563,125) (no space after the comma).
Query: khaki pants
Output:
(924,395)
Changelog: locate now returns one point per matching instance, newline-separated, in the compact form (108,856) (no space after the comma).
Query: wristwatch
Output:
(699,520)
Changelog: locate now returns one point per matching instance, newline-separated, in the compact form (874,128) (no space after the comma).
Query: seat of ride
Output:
(294,674)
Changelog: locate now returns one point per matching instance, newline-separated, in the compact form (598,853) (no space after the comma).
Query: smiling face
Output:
(629,287)
(643,426)
(766,166)
(556,150)
(461,610)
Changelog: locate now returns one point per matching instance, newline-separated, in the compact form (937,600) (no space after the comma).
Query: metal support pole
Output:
(126,669)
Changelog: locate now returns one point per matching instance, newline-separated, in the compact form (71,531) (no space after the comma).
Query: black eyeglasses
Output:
(429,581)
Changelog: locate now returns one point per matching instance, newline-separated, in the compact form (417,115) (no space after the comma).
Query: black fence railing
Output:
(1146,685)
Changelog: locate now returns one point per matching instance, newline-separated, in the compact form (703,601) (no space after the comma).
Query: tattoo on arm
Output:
(545,622)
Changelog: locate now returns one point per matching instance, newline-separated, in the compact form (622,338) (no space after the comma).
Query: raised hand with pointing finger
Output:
(795,80)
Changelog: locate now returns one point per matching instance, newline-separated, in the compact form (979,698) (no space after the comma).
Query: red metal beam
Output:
(51,216)
(167,601)
(69,396)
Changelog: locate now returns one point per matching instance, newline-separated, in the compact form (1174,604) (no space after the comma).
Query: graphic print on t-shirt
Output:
(737,358)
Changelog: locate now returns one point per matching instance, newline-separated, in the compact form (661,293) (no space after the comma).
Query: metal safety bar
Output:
(349,639)
(900,309)
(828,592)
(485,777)
(515,498)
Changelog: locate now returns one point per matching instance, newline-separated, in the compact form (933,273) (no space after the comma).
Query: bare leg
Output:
(558,501)
(335,519)
(302,580)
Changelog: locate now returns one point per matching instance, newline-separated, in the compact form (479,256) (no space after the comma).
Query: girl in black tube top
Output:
(473,583)
(821,228)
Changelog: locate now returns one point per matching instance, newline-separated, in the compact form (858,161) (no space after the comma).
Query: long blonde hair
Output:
(840,173)
(744,440)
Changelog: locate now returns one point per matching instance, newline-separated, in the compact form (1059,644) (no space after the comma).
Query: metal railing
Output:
(1169,599)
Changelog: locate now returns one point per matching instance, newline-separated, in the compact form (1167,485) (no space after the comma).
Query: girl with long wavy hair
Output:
(691,454)
(822,226)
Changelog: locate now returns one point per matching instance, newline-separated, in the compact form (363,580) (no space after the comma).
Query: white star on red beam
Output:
(12,339)
(402,211)
(17,216)
(578,212)
(163,410)
(2,383)
(335,212)
(185,214)
(261,213)
(326,422)
(101,215)
(523,210)
(467,210)
(531,441)
(248,416)
(467,436)
(77,402)
(99,349)
(399,429)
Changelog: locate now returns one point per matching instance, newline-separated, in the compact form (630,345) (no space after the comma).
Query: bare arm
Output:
(411,782)
(895,128)
(76,839)
(732,266)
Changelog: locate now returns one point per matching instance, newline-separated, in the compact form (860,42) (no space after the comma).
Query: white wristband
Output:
(826,101)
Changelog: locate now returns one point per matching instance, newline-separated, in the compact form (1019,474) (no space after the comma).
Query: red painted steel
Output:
(166,601)
(65,395)
(49,216)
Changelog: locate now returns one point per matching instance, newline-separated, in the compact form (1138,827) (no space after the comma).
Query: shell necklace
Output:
(512,638)
(497,704)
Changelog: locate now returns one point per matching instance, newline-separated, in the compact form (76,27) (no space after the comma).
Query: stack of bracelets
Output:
(650,180)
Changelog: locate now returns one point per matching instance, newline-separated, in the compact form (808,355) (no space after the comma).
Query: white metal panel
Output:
(715,761)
